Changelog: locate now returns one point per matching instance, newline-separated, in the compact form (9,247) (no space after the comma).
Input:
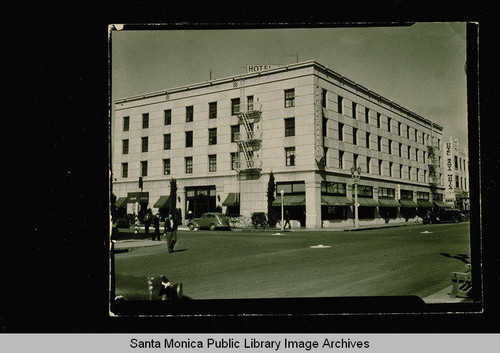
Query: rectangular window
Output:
(386,193)
(410,172)
(126,123)
(401,171)
(354,136)
(379,143)
(167,117)
(144,168)
(332,188)
(378,120)
(212,163)
(124,170)
(166,166)
(325,127)
(189,164)
(145,120)
(235,106)
(289,98)
(325,156)
(323,98)
(167,141)
(421,195)
(368,164)
(355,160)
(290,156)
(289,127)
(406,195)
(417,152)
(212,110)
(340,105)
(418,174)
(125,144)
(365,191)
(341,132)
(235,129)
(354,107)
(390,168)
(367,115)
(390,146)
(380,167)
(189,114)
(409,152)
(368,139)
(408,132)
(456,181)
(389,121)
(189,139)
(212,136)
(416,135)
(235,159)
(456,163)
(399,129)
(341,159)
(400,153)
(144,144)
(249,103)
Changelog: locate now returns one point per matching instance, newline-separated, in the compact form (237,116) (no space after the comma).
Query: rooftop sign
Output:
(256,68)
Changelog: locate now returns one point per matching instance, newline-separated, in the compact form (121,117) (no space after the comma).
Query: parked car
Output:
(454,216)
(210,220)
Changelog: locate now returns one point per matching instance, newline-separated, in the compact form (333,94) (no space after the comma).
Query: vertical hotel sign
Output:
(449,193)
(318,121)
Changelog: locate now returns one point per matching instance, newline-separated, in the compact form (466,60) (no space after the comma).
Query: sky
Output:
(420,67)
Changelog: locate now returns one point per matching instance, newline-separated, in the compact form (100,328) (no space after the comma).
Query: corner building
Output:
(307,124)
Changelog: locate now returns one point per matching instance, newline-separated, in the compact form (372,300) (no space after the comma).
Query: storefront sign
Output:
(133,197)
(257,68)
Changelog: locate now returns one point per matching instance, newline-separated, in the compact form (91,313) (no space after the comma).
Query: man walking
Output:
(287,220)
(171,232)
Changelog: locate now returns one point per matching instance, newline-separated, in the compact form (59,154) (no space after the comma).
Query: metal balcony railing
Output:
(251,164)
(249,135)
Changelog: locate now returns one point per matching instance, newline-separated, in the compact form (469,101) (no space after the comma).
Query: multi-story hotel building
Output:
(221,139)
(456,175)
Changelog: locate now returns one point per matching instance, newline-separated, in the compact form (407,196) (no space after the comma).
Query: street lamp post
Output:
(356,175)
(282,192)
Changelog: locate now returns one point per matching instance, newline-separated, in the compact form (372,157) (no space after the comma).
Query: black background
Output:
(57,271)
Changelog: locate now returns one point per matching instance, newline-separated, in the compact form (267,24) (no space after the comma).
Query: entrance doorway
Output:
(200,199)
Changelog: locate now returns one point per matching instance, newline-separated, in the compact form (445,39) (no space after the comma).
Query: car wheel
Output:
(191,226)
(212,226)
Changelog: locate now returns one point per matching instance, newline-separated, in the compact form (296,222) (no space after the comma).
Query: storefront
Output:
(200,199)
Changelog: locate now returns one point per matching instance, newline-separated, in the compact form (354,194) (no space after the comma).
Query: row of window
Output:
(419,136)
(460,163)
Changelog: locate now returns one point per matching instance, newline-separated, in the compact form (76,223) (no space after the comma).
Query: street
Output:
(241,264)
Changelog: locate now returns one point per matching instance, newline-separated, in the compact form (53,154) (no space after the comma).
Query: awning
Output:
(163,201)
(408,203)
(442,204)
(388,202)
(231,199)
(335,200)
(290,200)
(121,202)
(424,203)
(367,201)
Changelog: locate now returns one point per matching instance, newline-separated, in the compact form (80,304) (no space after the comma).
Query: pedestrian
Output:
(171,232)
(136,225)
(147,222)
(156,224)
(287,220)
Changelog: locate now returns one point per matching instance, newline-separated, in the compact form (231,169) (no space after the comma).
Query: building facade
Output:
(221,139)
(456,174)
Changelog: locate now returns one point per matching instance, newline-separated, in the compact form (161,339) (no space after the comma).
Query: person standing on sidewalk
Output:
(147,222)
(171,232)
(156,224)
(287,220)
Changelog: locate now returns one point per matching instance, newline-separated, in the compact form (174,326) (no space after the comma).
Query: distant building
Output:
(456,174)
(307,124)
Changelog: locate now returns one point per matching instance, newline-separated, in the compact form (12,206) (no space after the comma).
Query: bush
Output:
(259,219)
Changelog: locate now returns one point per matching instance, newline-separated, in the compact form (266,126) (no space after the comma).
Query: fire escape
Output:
(249,139)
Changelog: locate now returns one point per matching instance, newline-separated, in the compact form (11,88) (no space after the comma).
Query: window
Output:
(235,129)
(125,146)
(416,135)
(386,193)
(399,128)
(367,115)
(289,98)
(368,139)
(409,152)
(235,106)
(368,164)
(294,187)
(235,159)
(378,120)
(400,153)
(355,136)
(380,167)
(421,195)
(212,110)
(365,191)
(144,168)
(341,159)
(167,115)
(328,187)
(406,195)
(456,181)
(341,132)
(379,143)
(189,139)
(418,173)
(212,163)
(407,132)
(417,152)
(189,164)
(456,162)
(189,114)
(323,98)
(144,144)
(167,140)
(389,121)
(390,146)
(325,156)
(290,156)
(355,161)
(340,105)
(166,166)
(212,136)
(401,171)
(126,123)
(250,103)
(289,127)
(390,168)
(325,127)
(145,120)
(124,170)
(410,172)
(354,107)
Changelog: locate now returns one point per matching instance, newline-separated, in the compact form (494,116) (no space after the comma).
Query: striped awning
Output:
(442,204)
(332,200)
(424,203)
(367,201)
(388,202)
(232,199)
(163,201)
(290,200)
(121,202)
(408,203)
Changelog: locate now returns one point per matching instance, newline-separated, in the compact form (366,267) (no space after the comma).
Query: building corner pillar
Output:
(313,204)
